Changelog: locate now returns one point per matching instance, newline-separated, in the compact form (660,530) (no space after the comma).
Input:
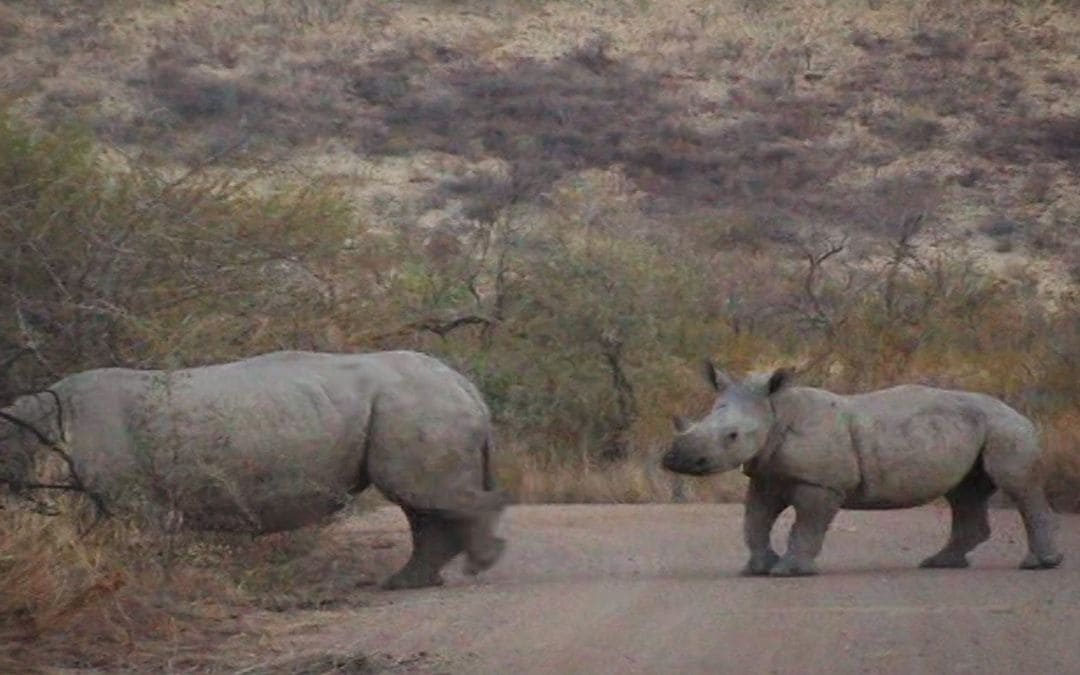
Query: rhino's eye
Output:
(733,435)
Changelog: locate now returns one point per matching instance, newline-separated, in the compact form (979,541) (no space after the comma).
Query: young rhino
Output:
(889,449)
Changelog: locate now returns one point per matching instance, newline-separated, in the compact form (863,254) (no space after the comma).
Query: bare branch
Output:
(903,252)
(611,345)
(443,328)
(30,344)
(30,428)
(10,361)
(76,484)
(815,260)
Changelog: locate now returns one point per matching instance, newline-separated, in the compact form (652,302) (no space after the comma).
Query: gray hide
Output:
(280,441)
(894,448)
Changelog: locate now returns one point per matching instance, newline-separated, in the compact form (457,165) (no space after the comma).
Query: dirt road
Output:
(654,589)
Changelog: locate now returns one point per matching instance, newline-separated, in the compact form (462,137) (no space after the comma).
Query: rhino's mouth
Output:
(695,466)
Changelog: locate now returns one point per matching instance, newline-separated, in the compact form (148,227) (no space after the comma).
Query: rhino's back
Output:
(914,443)
(274,392)
(270,442)
(282,395)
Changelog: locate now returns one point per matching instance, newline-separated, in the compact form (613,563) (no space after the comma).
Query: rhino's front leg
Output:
(815,508)
(764,503)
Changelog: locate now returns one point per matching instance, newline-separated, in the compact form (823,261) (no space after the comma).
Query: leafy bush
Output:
(109,268)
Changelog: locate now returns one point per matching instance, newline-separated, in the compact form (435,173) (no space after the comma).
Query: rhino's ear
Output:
(716,377)
(779,379)
(681,423)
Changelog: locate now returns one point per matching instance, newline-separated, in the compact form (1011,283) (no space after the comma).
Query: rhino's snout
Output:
(670,461)
(679,461)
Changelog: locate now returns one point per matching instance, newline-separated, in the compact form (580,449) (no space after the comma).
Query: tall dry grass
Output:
(1062,441)
(126,596)
(638,479)
(95,600)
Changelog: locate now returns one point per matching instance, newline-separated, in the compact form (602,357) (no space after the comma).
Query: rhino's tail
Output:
(485,458)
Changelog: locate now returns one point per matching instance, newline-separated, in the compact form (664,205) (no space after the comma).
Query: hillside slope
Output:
(757,119)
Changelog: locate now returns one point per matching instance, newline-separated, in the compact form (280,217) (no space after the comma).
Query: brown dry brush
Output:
(128,595)
(133,591)
(578,329)
(129,268)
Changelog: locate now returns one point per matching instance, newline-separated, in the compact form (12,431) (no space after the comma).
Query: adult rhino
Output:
(888,449)
(279,441)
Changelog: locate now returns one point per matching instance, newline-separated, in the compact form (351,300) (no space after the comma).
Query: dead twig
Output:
(440,327)
(76,483)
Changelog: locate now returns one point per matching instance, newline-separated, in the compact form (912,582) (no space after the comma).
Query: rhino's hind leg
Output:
(970,520)
(482,548)
(1040,526)
(1014,468)
(436,540)
(476,532)
(815,508)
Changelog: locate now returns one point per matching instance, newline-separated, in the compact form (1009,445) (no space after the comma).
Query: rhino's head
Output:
(734,430)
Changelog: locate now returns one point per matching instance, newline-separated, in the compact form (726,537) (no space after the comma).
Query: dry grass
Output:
(1062,439)
(636,480)
(123,596)
(99,600)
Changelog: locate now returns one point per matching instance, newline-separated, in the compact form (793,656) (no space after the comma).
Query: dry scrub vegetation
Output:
(572,202)
(127,596)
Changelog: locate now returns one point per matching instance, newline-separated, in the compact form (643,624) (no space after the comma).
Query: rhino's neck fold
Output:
(778,429)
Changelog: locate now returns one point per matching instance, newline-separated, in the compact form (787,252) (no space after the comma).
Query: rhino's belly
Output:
(264,489)
(860,503)
(242,478)
(224,513)
(907,486)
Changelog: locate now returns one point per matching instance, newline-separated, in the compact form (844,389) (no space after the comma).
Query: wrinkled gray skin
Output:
(280,441)
(894,448)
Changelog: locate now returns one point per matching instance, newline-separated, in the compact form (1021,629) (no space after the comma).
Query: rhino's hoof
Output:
(760,565)
(402,581)
(791,567)
(939,561)
(1046,562)
(479,562)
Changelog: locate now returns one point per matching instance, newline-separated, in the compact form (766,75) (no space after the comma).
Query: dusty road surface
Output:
(654,589)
